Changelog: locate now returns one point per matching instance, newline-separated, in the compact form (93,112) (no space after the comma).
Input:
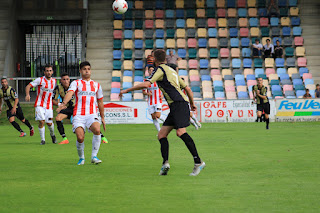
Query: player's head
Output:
(4,82)
(268,41)
(257,41)
(260,81)
(171,52)
(278,43)
(307,91)
(318,86)
(85,69)
(159,57)
(48,71)
(65,80)
(150,69)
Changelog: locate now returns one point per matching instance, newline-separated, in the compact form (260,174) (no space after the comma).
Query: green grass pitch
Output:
(249,169)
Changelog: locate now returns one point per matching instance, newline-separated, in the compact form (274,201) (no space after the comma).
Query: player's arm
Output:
(101,110)
(140,86)
(32,84)
(65,101)
(190,96)
(261,96)
(16,101)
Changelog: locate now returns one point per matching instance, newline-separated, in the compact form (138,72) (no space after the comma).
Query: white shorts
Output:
(43,114)
(154,108)
(84,121)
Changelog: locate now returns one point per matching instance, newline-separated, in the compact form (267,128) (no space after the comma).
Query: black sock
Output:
(26,122)
(102,135)
(164,149)
(61,129)
(260,119)
(191,146)
(16,126)
(267,122)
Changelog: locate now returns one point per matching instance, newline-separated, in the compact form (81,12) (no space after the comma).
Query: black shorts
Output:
(19,114)
(264,107)
(67,111)
(179,116)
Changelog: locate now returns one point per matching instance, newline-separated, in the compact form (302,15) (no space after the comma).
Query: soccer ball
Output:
(120,6)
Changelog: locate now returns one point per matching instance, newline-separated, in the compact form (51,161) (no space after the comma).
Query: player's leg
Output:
(96,141)
(259,114)
(164,147)
(21,117)
(79,131)
(192,121)
(152,110)
(49,121)
(40,116)
(15,124)
(59,118)
(266,113)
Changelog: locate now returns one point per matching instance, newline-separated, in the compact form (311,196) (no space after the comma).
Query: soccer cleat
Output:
(104,140)
(32,131)
(196,126)
(80,162)
(267,127)
(164,169)
(197,169)
(54,140)
(64,141)
(22,134)
(199,124)
(43,143)
(96,160)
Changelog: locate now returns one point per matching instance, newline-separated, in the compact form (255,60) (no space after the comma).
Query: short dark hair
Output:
(277,41)
(160,55)
(268,40)
(259,77)
(85,63)
(47,66)
(317,85)
(64,74)
(307,90)
(257,39)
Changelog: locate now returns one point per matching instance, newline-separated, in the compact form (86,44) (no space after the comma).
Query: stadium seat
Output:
(212,32)
(274,22)
(224,42)
(257,62)
(291,62)
(258,71)
(262,12)
(214,63)
(128,24)
(159,14)
(242,12)
(235,53)
(211,22)
(295,75)
(253,22)
(246,52)
(244,32)
(285,21)
(127,54)
(286,31)
(202,42)
(201,13)
(247,63)
(213,42)
(236,63)
(210,13)
(204,63)
(300,51)
(222,22)
(294,11)
(148,24)
(243,22)
(296,31)
(233,32)
(190,13)
(214,52)
(138,44)
(180,13)
(210,3)
(245,42)
(302,62)
(284,12)
(300,93)
(181,33)
(159,24)
(225,63)
(170,33)
(252,12)
(117,54)
(295,21)
(264,22)
(224,52)
(275,31)
(159,33)
(279,62)
(202,33)
(293,3)
(289,51)
(303,70)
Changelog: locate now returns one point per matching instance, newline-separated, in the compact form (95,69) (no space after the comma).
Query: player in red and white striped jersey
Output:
(43,103)
(193,119)
(87,92)
(154,101)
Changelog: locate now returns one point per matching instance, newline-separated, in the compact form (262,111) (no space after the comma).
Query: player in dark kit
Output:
(260,96)
(12,105)
(171,84)
(61,90)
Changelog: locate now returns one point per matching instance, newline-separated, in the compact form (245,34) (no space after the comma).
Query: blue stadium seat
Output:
(126,85)
(239,77)
(159,33)
(241,83)
(127,97)
(290,94)
(128,34)
(115,79)
(243,95)
(169,14)
(203,63)
(138,64)
(159,43)
(277,93)
(282,3)
(195,89)
(284,76)
(297,31)
(286,31)
(117,16)
(303,70)
(274,82)
(253,22)
(286,82)
(159,4)
(242,12)
(251,77)
(262,12)
(274,22)
(127,54)
(205,78)
(115,90)
(212,32)
(138,78)
(247,63)
(275,88)
(299,87)
(138,44)
(223,42)
(183,72)
(246,52)
(117,65)
(234,42)
(281,71)
(219,95)
(279,62)
(228,77)
(300,92)
(236,63)
(138,73)
(225,63)
(258,72)
(233,32)
(293,3)
(127,73)
(202,42)
(182,53)
(295,21)
(231,3)
(257,62)
(180,23)
(179,13)
(130,4)
(127,24)
(295,76)
(245,42)
(291,62)
(211,3)
(237,72)
(205,72)
(117,54)
(308,81)
(218,83)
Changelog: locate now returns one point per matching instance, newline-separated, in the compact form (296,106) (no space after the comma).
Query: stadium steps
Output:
(99,44)
(309,14)
(4,32)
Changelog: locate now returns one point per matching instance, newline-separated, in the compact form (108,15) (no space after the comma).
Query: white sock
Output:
(162,118)
(193,123)
(51,128)
(195,118)
(80,148)
(42,132)
(96,141)
(156,124)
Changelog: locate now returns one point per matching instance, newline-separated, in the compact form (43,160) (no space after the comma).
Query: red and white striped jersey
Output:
(45,91)
(87,93)
(155,98)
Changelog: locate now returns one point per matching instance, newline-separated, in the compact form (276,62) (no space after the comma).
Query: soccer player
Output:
(61,90)
(154,101)
(43,104)
(11,102)
(87,93)
(260,96)
(193,119)
(171,84)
